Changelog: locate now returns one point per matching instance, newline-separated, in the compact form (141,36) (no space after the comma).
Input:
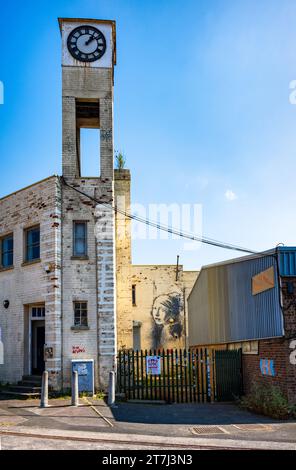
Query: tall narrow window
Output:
(80,313)
(80,239)
(134,294)
(32,244)
(7,251)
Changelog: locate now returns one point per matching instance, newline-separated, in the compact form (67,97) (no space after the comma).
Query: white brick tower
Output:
(88,59)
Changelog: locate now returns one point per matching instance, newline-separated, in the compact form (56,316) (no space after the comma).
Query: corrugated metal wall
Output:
(287,261)
(222,308)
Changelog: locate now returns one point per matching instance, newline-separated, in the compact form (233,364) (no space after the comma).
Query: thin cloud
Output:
(230,195)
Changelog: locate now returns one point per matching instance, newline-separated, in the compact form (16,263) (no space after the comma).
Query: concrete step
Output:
(9,393)
(24,389)
(29,383)
(36,379)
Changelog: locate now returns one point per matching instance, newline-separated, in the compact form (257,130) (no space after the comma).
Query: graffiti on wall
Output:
(292,356)
(78,349)
(267,367)
(167,318)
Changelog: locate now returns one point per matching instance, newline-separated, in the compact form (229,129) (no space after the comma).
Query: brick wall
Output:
(277,349)
(123,261)
(28,284)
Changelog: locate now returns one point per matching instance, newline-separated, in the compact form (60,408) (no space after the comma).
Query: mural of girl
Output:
(167,319)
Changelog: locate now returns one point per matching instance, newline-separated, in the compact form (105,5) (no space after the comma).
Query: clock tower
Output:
(88,59)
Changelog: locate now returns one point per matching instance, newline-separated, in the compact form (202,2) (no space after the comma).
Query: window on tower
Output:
(80,239)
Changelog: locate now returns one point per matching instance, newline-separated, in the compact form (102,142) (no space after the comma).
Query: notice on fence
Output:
(153,365)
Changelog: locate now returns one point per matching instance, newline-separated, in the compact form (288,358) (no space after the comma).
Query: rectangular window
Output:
(7,251)
(134,294)
(32,239)
(80,239)
(38,312)
(80,313)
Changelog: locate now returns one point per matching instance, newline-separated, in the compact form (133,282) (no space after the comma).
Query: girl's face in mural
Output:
(158,314)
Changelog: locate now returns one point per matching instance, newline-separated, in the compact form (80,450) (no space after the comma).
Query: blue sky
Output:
(202,111)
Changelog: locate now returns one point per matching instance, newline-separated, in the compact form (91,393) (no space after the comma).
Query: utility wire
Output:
(164,228)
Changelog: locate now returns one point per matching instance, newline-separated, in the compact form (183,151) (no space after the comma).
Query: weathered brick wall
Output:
(273,349)
(277,349)
(29,284)
(92,279)
(152,282)
(123,261)
(155,286)
(87,83)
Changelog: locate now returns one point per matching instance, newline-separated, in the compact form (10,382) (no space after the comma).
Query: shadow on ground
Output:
(182,414)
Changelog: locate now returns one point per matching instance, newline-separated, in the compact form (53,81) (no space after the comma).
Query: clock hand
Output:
(90,39)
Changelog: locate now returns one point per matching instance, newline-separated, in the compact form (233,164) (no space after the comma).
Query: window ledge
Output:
(34,261)
(6,268)
(79,328)
(80,258)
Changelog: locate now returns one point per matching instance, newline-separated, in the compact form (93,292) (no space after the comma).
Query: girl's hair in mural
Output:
(167,318)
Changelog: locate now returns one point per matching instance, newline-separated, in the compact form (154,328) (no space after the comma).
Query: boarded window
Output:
(136,337)
(263,281)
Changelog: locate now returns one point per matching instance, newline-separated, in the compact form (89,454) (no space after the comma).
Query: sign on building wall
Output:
(85,369)
(153,365)
(263,281)
(267,367)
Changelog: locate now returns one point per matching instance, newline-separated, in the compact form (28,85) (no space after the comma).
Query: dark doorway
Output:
(38,341)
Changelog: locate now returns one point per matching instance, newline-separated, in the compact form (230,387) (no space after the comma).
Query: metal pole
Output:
(177,268)
(111,389)
(75,397)
(44,390)
(185,319)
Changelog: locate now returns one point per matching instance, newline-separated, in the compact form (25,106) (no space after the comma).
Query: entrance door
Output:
(40,341)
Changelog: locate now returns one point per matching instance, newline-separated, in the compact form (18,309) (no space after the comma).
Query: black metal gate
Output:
(183,376)
(228,369)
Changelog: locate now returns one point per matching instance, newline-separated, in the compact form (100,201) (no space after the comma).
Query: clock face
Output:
(86,43)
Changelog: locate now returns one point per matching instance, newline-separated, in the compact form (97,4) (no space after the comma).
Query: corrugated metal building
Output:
(250,303)
(223,308)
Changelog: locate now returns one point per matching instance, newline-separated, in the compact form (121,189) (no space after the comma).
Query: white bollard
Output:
(44,390)
(111,389)
(75,396)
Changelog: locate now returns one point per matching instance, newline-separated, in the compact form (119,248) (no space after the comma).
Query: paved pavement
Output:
(93,424)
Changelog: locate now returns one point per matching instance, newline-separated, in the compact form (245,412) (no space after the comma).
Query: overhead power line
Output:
(173,231)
